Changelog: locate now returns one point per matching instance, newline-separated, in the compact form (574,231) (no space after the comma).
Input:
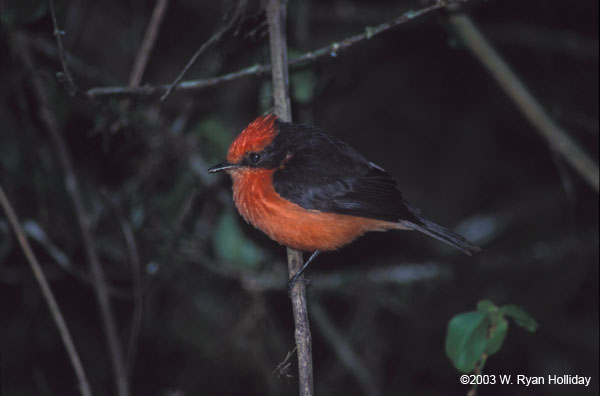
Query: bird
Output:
(310,191)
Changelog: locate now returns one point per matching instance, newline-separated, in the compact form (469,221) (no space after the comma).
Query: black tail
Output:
(438,232)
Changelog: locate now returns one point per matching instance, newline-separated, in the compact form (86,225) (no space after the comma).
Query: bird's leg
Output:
(294,278)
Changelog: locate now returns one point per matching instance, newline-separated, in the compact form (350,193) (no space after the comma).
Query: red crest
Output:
(258,135)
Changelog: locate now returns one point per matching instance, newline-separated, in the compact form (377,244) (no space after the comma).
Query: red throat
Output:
(257,135)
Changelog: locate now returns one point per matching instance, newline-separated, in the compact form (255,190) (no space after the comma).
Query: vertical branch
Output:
(276,14)
(302,332)
(72,186)
(276,10)
(84,386)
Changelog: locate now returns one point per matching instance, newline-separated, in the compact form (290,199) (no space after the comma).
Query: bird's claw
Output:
(293,281)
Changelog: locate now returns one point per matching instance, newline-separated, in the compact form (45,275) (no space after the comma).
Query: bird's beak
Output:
(221,167)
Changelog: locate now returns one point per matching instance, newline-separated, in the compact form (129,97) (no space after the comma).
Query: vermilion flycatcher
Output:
(312,192)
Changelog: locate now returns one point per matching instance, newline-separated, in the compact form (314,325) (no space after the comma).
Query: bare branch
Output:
(66,75)
(138,299)
(332,50)
(141,60)
(147,90)
(34,230)
(84,386)
(49,49)
(276,16)
(301,323)
(556,137)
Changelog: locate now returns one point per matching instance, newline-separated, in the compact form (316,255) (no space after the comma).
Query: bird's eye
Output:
(254,157)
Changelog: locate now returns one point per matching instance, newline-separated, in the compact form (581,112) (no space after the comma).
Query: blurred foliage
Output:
(302,82)
(216,317)
(232,247)
(215,139)
(303,86)
(473,336)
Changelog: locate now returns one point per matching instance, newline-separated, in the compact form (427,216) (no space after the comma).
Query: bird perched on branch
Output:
(312,192)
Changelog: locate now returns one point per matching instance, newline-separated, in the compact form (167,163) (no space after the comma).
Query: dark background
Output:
(216,317)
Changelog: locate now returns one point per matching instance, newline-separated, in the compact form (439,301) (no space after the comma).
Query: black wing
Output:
(325,174)
(322,173)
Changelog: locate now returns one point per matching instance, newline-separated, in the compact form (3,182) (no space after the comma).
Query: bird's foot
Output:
(297,275)
(294,279)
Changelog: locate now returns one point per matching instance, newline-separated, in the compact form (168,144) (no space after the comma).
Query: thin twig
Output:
(35,232)
(136,320)
(141,59)
(138,298)
(276,16)
(332,50)
(147,90)
(49,49)
(556,137)
(211,41)
(282,368)
(72,88)
(84,386)
(83,218)
(344,351)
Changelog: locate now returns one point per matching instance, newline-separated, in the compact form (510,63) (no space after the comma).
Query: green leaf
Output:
(497,336)
(521,317)
(232,247)
(466,339)
(486,306)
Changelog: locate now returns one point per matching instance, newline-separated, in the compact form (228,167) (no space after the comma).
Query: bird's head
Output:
(253,147)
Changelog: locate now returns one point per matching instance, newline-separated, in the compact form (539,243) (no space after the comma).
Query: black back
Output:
(319,172)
